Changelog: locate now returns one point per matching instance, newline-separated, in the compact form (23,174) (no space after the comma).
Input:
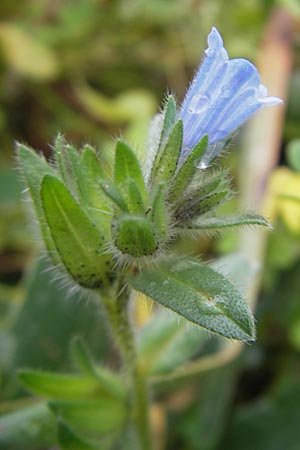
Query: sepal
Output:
(166,161)
(219,223)
(187,170)
(77,240)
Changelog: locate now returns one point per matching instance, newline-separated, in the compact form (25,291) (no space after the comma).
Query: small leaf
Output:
(34,167)
(108,381)
(25,54)
(170,113)
(293,154)
(89,174)
(199,190)
(200,294)
(93,417)
(167,340)
(136,204)
(61,386)
(212,223)
(81,357)
(187,170)
(114,194)
(68,162)
(30,428)
(88,182)
(78,241)
(164,168)
(127,168)
(68,440)
(158,212)
(196,207)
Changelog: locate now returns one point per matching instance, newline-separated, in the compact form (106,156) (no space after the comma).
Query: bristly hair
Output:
(154,136)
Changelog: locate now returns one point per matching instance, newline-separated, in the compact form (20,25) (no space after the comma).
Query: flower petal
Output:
(223,95)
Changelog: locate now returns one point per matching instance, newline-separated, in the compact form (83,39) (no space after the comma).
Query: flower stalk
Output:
(118,314)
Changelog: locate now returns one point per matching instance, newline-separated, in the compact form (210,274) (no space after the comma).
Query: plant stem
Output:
(117,310)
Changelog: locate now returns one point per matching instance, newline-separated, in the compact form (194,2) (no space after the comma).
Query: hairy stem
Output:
(117,310)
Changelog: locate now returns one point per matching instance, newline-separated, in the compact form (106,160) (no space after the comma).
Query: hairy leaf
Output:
(213,223)
(34,167)
(200,294)
(77,240)
(164,167)
(186,172)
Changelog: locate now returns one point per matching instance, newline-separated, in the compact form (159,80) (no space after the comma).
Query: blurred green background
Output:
(95,69)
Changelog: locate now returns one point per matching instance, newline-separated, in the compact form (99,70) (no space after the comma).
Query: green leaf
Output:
(68,162)
(214,223)
(114,194)
(170,113)
(269,423)
(158,212)
(201,191)
(25,54)
(200,294)
(293,154)
(188,169)
(196,207)
(61,386)
(68,440)
(164,167)
(81,357)
(34,167)
(94,418)
(30,428)
(167,340)
(127,168)
(93,199)
(108,381)
(203,424)
(58,316)
(136,204)
(78,241)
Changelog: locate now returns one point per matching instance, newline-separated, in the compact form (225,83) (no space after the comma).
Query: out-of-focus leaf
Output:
(128,106)
(25,55)
(203,424)
(10,186)
(61,386)
(168,340)
(284,197)
(31,428)
(48,318)
(293,154)
(239,270)
(95,418)
(71,441)
(107,381)
(269,424)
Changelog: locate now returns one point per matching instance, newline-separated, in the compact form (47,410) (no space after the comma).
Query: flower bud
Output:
(134,236)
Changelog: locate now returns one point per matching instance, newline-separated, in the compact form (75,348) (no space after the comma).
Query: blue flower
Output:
(223,95)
